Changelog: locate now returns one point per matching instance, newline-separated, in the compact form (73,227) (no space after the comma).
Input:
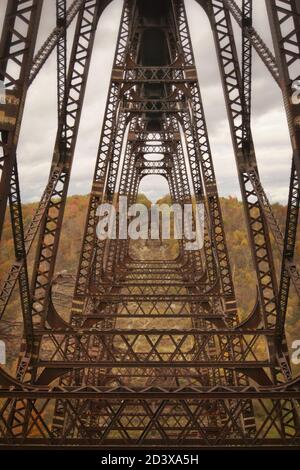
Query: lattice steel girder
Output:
(194,392)
(284,17)
(255,219)
(102,162)
(61,22)
(183,346)
(146,422)
(140,363)
(288,269)
(257,43)
(246,77)
(210,185)
(155,331)
(192,298)
(53,213)
(20,255)
(195,168)
(142,106)
(52,40)
(7,286)
(126,314)
(96,350)
(126,393)
(138,74)
(256,223)
(192,443)
(16,52)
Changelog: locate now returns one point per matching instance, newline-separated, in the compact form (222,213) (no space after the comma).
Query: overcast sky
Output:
(39,128)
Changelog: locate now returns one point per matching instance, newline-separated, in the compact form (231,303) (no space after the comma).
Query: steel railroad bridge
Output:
(154,353)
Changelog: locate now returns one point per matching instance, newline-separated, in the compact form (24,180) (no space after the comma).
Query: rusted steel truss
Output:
(153,351)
